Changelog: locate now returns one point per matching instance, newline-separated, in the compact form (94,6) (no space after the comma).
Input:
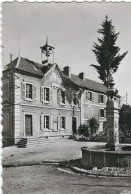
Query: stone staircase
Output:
(29,142)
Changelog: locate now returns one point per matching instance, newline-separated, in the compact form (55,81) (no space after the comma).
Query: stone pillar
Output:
(112,114)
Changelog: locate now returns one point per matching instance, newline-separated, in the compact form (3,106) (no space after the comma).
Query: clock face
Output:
(54,74)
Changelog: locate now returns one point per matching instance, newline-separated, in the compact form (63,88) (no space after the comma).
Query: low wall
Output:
(102,158)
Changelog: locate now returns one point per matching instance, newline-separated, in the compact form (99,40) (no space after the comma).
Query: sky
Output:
(72,29)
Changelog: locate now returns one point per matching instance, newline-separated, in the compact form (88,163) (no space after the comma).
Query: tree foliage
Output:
(106,52)
(125,120)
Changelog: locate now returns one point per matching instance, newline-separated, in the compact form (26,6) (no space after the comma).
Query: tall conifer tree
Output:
(106,52)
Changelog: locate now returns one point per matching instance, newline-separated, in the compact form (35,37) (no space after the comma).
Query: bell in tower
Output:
(46,51)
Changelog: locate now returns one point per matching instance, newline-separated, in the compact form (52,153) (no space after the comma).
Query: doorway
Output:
(74,125)
(28,125)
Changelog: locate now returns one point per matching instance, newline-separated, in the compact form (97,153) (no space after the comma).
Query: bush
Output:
(94,125)
(84,130)
(90,128)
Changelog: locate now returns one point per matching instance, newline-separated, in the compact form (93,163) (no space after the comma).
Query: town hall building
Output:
(41,100)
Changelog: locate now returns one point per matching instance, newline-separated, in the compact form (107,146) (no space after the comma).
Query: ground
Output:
(46,179)
(52,150)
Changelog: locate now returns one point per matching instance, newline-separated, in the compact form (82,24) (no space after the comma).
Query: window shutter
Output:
(66,126)
(92,96)
(99,113)
(51,122)
(34,92)
(58,96)
(86,95)
(104,98)
(104,113)
(50,95)
(42,93)
(99,98)
(42,122)
(23,90)
(66,97)
(59,122)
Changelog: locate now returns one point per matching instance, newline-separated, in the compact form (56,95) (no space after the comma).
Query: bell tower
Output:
(46,51)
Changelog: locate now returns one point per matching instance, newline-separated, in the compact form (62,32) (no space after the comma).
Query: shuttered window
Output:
(101,98)
(45,94)
(28,91)
(62,122)
(46,122)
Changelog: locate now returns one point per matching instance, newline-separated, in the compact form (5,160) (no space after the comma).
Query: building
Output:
(41,100)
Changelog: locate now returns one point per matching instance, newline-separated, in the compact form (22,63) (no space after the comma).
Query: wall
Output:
(37,107)
(92,108)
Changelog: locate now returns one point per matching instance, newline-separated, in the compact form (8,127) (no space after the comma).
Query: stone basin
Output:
(101,158)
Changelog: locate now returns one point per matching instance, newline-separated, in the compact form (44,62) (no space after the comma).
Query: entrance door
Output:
(74,125)
(28,125)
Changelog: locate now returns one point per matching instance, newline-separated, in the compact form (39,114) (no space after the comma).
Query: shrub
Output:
(84,130)
(94,125)
(90,128)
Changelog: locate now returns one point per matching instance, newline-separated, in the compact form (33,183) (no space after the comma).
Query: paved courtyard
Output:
(47,179)
(52,150)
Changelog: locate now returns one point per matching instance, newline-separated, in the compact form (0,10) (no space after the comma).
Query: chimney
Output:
(82,76)
(67,71)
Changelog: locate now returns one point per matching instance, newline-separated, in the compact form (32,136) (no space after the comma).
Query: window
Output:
(46,94)
(101,98)
(29,91)
(5,90)
(62,122)
(90,96)
(75,99)
(46,122)
(102,113)
(63,97)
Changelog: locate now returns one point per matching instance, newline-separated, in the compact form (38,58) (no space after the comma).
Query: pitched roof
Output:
(26,65)
(33,68)
(88,84)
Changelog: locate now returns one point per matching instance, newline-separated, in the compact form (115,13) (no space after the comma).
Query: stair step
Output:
(29,142)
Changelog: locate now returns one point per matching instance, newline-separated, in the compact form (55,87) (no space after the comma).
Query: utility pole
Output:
(11,92)
(126,97)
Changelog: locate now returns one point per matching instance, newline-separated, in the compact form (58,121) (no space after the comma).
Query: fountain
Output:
(113,155)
